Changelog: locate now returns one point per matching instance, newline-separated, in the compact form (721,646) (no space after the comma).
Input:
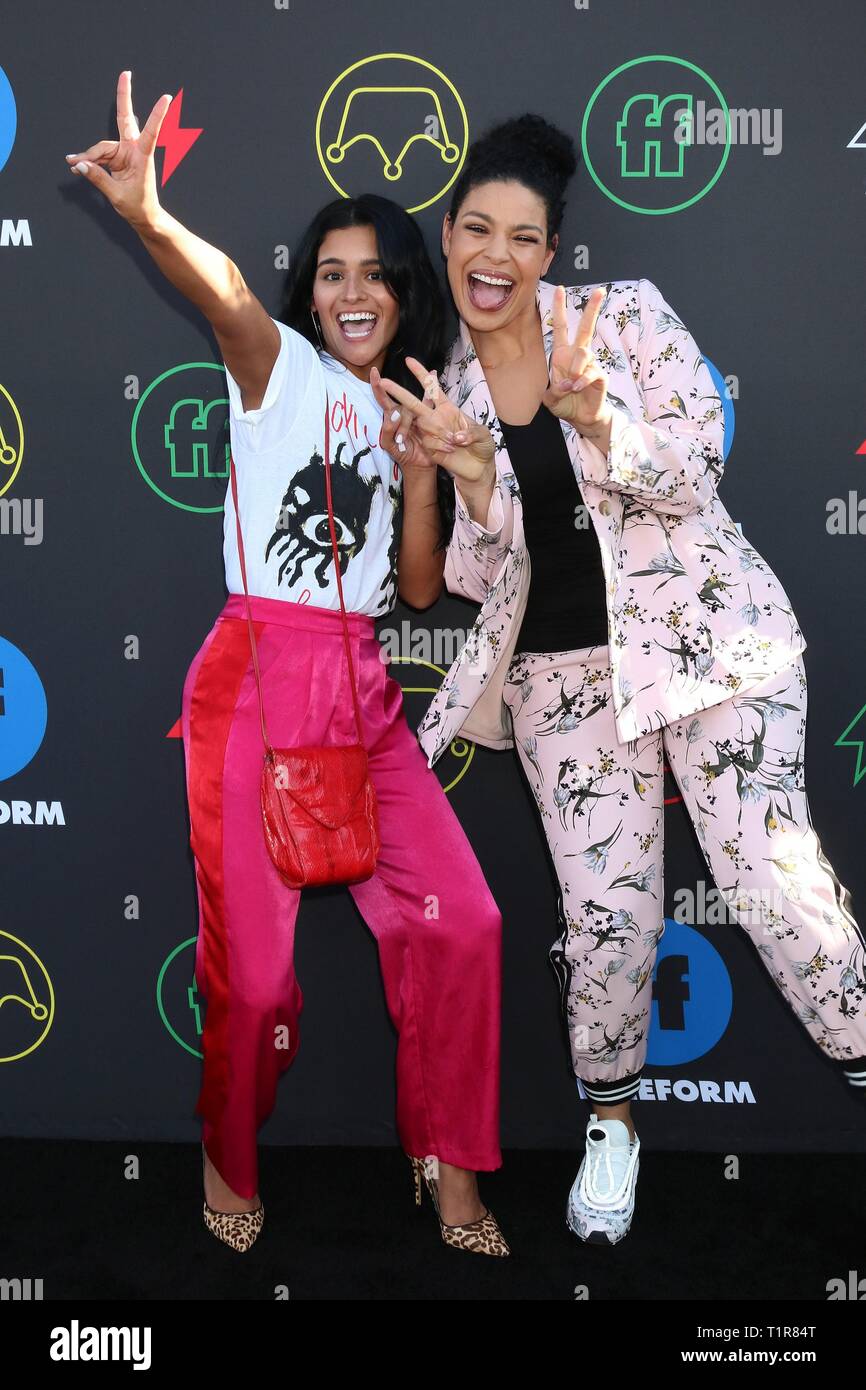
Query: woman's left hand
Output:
(578,387)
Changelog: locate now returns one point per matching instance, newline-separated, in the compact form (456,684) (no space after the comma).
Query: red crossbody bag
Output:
(318,804)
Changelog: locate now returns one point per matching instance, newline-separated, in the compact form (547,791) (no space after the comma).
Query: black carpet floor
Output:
(342,1224)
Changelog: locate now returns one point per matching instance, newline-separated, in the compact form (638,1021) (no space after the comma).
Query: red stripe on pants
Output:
(212,706)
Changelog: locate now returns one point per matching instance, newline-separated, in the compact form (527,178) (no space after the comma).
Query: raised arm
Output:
(670,461)
(123,171)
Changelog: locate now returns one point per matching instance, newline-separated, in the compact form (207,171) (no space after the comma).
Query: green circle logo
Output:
(653,132)
(190,1001)
(180,439)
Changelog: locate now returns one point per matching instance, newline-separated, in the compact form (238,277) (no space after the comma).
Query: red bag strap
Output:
(346,642)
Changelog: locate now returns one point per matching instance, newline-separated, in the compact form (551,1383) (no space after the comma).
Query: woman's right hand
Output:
(398,436)
(123,170)
(459,444)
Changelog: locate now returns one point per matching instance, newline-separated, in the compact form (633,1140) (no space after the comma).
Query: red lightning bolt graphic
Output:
(175,141)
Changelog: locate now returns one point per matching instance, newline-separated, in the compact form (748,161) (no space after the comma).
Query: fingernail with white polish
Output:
(395,415)
(400,444)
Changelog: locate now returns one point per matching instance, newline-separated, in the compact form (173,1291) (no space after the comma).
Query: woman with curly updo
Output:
(624,619)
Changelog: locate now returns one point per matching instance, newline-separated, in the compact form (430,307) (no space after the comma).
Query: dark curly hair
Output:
(422,329)
(528,149)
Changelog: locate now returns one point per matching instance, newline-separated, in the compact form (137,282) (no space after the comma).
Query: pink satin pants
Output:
(437,927)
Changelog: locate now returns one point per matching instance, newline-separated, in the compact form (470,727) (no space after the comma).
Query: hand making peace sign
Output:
(578,386)
(398,436)
(130,184)
(439,433)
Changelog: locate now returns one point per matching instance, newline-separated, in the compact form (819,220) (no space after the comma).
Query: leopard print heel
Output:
(482,1237)
(238,1229)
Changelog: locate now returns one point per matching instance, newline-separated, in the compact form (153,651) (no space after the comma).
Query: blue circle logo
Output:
(8,118)
(692,997)
(23,710)
(727,407)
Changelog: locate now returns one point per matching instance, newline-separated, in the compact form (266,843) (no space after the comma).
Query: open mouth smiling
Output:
(489,291)
(357,325)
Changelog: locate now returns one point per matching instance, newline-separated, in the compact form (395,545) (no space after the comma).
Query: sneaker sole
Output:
(595,1237)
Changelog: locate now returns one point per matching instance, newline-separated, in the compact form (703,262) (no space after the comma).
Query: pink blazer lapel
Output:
(464,382)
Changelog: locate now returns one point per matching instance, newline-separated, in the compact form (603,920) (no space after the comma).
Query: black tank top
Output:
(566,608)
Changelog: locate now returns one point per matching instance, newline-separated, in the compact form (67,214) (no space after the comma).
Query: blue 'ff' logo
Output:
(692,997)
(23,710)
(8,118)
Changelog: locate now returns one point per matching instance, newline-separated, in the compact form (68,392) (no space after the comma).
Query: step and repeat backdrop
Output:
(111,514)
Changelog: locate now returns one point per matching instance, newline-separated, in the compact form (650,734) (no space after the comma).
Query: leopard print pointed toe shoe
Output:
(482,1237)
(238,1229)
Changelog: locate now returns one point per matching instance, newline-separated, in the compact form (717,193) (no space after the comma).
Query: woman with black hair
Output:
(361,293)
(650,626)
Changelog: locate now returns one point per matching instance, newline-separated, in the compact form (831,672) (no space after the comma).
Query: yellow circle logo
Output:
(392,119)
(26,998)
(460,748)
(11,440)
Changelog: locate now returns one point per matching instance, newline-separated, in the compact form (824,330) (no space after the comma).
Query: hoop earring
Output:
(316,326)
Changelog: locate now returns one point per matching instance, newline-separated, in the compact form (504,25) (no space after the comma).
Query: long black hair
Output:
(406,269)
(408,272)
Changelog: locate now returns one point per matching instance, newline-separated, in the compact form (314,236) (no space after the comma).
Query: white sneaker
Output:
(601,1202)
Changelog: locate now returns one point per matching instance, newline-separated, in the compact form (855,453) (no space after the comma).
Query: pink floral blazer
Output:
(694,613)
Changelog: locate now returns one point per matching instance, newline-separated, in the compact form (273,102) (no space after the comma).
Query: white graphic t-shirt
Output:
(279,452)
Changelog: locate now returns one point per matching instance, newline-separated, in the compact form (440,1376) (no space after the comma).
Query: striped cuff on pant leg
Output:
(612,1092)
(854,1072)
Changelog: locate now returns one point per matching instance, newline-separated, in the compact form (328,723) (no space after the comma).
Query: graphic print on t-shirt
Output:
(388,587)
(278,448)
(303,533)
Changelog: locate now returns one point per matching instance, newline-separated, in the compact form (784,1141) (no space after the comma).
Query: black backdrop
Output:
(99,1028)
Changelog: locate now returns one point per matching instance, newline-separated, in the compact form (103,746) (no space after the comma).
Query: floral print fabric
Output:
(739,768)
(694,612)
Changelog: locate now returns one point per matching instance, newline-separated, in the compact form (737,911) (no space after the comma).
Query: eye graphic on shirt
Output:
(302,534)
(317,530)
